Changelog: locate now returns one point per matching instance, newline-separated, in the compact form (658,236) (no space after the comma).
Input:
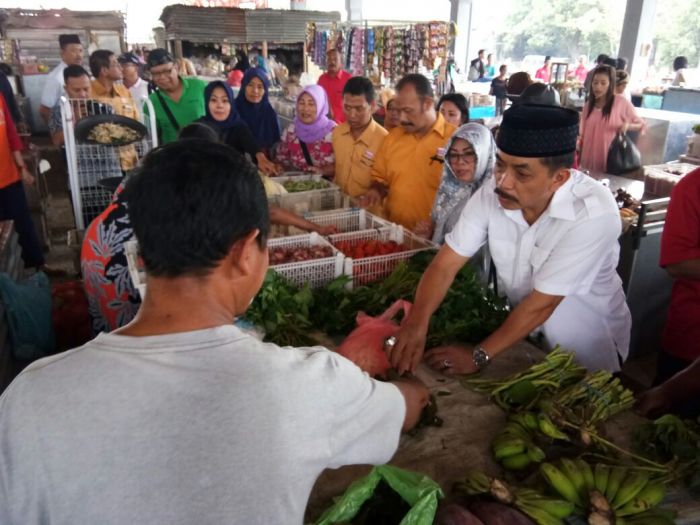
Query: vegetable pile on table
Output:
(369,248)
(295,186)
(289,314)
(299,254)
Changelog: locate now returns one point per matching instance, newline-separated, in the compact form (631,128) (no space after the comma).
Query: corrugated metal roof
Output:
(60,19)
(204,24)
(281,25)
(214,24)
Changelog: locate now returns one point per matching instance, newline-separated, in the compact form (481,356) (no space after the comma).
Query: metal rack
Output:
(88,164)
(646,284)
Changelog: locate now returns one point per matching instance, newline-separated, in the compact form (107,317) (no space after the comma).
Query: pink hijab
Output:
(315,131)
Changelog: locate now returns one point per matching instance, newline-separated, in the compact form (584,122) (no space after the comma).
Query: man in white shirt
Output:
(71,54)
(180,417)
(131,69)
(552,233)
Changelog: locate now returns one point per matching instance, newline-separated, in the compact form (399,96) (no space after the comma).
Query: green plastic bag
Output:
(418,490)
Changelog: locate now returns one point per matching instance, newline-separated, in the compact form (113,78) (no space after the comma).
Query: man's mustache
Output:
(404,123)
(504,195)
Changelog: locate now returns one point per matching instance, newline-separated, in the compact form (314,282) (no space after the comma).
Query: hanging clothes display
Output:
(383,52)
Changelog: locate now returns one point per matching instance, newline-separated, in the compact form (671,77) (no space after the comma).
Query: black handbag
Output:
(623,156)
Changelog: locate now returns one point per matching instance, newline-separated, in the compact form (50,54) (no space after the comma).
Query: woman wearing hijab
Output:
(307,144)
(470,158)
(253,106)
(221,115)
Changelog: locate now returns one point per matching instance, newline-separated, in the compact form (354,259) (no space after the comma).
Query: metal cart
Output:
(647,285)
(88,164)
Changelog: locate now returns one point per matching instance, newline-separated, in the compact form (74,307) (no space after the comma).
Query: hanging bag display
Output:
(623,156)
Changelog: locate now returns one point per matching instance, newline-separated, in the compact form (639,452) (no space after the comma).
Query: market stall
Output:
(30,45)
(210,36)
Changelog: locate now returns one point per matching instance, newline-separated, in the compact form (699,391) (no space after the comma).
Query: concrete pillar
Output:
(637,35)
(354,9)
(461,13)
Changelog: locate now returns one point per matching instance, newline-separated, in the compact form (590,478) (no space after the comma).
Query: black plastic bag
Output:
(623,156)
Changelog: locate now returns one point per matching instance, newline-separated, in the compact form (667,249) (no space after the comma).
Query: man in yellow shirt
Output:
(408,166)
(357,140)
(107,71)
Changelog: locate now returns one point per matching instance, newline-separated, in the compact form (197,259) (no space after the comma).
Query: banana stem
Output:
(613,446)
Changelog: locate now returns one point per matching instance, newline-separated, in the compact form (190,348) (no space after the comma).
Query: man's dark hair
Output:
(504,67)
(98,60)
(612,62)
(74,72)
(190,202)
(357,86)
(6,69)
(560,161)
(621,63)
(601,58)
(199,130)
(458,100)
(481,51)
(420,83)
(547,58)
(680,62)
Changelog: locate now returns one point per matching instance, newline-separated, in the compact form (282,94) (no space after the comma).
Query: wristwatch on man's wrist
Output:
(480,357)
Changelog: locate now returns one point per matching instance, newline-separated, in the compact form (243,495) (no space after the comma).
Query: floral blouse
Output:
(113,300)
(290,154)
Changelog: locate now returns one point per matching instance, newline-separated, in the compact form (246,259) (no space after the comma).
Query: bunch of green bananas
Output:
(514,446)
(543,509)
(525,389)
(611,492)
(594,399)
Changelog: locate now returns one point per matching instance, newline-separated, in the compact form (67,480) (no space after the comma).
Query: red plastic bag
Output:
(365,344)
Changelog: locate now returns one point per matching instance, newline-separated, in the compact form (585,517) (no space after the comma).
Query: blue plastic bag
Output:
(28,312)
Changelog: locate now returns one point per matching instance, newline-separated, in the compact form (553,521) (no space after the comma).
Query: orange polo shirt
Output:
(119,98)
(354,158)
(123,103)
(411,168)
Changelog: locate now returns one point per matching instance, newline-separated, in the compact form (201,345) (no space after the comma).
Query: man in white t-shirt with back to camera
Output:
(180,417)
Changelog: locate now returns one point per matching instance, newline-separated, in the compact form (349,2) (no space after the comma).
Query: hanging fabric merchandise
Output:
(371,43)
(358,47)
(397,55)
(352,35)
(310,39)
(379,48)
(442,41)
(388,61)
(425,47)
(406,63)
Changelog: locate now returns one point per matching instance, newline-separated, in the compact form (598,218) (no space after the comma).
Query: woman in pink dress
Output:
(307,143)
(603,117)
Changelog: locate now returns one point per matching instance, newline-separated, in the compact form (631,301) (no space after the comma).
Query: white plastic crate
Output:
(136,270)
(301,202)
(348,220)
(316,272)
(370,269)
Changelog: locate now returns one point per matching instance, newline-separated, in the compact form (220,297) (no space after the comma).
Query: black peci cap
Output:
(535,131)
(129,58)
(64,40)
(158,57)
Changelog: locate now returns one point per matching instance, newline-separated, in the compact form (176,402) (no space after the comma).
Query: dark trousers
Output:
(13,206)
